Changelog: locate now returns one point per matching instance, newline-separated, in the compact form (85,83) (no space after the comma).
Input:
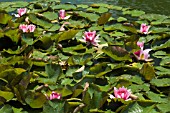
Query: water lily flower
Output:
(24,28)
(62,15)
(144,28)
(54,95)
(122,93)
(62,27)
(140,44)
(27,28)
(142,54)
(31,27)
(21,11)
(91,38)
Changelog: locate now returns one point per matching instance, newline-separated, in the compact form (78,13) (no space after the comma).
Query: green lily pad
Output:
(67,35)
(98,10)
(35,100)
(91,16)
(136,13)
(5,18)
(64,6)
(50,15)
(148,71)
(104,18)
(117,53)
(160,82)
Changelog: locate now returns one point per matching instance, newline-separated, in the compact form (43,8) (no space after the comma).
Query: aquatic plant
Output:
(48,59)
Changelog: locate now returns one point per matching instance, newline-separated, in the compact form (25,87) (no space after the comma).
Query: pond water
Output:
(149,6)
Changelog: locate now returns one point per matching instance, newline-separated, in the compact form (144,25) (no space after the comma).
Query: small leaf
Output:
(35,100)
(50,15)
(148,71)
(7,95)
(117,53)
(6,109)
(67,35)
(161,82)
(121,19)
(104,18)
(4,18)
(56,106)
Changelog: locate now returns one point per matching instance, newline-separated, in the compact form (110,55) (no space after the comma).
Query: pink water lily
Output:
(27,28)
(21,11)
(142,54)
(54,95)
(62,15)
(144,29)
(31,27)
(91,38)
(122,93)
(24,28)
(140,44)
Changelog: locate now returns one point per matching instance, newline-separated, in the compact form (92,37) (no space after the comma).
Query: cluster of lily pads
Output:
(65,58)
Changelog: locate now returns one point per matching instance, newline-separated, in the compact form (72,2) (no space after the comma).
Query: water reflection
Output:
(149,6)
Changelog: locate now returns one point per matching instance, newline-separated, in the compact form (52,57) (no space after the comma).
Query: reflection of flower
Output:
(91,38)
(27,28)
(121,93)
(62,15)
(21,11)
(144,28)
(142,54)
(54,95)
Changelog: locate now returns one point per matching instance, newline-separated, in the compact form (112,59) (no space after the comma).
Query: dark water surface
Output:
(149,6)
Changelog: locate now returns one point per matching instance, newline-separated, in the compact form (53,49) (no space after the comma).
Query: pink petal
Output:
(140,44)
(31,27)
(146,53)
(62,14)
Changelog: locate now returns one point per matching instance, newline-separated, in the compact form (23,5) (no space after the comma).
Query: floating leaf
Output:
(79,59)
(148,71)
(40,22)
(115,27)
(162,46)
(54,107)
(152,17)
(19,4)
(104,18)
(164,108)
(156,98)
(35,100)
(121,19)
(161,82)
(134,12)
(91,16)
(117,53)
(67,35)
(99,10)
(5,18)
(6,109)
(7,95)
(64,6)
(50,15)
(53,71)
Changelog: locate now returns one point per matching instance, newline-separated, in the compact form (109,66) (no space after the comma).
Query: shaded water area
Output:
(149,6)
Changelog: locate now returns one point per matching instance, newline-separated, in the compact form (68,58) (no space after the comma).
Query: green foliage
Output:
(33,64)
